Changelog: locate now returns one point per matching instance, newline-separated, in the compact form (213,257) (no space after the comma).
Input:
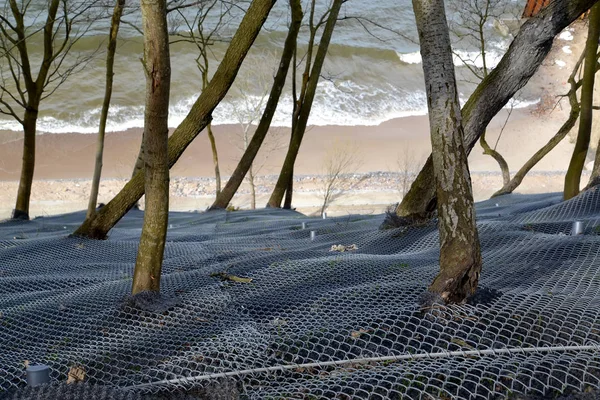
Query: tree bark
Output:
(573,176)
(555,140)
(595,176)
(527,51)
(262,129)
(110,61)
(199,116)
(139,161)
(289,191)
(460,255)
(533,7)
(157,66)
(21,210)
(286,174)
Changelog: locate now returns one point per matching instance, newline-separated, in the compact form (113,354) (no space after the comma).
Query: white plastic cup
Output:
(304,225)
(324,215)
(38,375)
(577,228)
(313,235)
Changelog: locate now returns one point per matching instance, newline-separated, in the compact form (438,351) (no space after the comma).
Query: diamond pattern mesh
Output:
(63,303)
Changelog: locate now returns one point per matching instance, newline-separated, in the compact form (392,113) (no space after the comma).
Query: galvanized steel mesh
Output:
(63,303)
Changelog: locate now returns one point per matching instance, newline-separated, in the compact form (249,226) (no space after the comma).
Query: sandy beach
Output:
(65,161)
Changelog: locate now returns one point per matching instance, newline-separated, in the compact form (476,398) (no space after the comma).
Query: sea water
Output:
(370,76)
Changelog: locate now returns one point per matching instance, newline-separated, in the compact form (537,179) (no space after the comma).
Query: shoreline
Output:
(370,193)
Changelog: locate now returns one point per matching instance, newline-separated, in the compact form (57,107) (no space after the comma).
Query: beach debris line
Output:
(76,374)
(224,276)
(341,248)
(357,334)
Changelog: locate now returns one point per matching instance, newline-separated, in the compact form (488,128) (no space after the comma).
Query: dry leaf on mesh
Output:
(76,374)
(341,248)
(26,363)
(357,334)
(233,278)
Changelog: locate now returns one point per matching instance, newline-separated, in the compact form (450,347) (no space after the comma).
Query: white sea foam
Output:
(460,58)
(410,58)
(344,103)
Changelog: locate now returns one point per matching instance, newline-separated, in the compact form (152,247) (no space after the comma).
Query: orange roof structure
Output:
(533,7)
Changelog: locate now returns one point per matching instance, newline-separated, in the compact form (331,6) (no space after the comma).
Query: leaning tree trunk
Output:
(487,150)
(573,177)
(262,129)
(215,155)
(525,54)
(555,140)
(252,184)
(21,210)
(286,174)
(139,161)
(137,167)
(199,116)
(595,176)
(460,255)
(110,61)
(157,66)
(289,192)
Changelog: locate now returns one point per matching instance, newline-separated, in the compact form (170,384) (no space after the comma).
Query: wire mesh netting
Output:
(312,323)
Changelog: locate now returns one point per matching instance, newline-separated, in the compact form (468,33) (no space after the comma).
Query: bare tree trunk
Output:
(555,140)
(541,153)
(262,129)
(289,191)
(215,154)
(524,56)
(573,177)
(286,177)
(110,61)
(35,89)
(21,210)
(460,255)
(252,189)
(209,131)
(139,161)
(197,119)
(496,156)
(138,166)
(157,65)
(595,176)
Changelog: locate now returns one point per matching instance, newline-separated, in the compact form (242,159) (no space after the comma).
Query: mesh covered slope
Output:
(62,304)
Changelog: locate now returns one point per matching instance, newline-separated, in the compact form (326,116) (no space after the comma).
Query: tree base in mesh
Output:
(18,214)
(454,285)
